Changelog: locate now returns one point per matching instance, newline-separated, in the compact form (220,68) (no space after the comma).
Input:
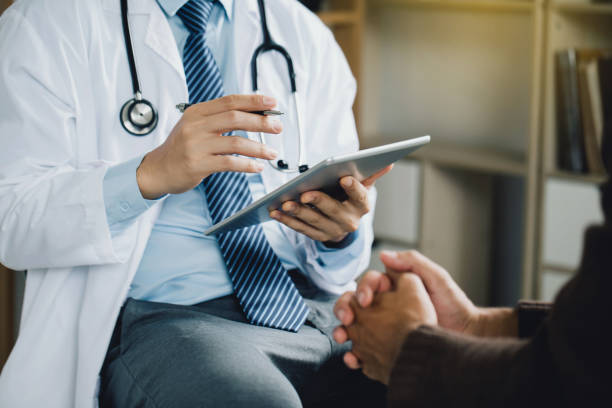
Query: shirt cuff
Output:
(346,241)
(122,198)
(335,246)
(344,252)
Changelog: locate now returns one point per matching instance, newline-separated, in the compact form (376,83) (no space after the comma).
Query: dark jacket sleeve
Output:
(565,363)
(531,315)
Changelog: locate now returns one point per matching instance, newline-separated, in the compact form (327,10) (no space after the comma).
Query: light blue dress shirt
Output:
(180,264)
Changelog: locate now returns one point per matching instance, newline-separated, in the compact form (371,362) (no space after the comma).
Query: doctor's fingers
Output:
(299,226)
(346,216)
(314,218)
(242,146)
(231,163)
(232,102)
(369,182)
(357,194)
(234,120)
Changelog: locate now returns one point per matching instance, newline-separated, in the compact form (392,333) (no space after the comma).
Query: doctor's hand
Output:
(324,218)
(196,147)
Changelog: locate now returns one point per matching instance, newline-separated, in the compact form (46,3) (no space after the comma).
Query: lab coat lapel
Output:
(247,36)
(161,40)
(159,37)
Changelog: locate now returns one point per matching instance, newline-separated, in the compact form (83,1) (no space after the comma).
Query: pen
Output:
(182,107)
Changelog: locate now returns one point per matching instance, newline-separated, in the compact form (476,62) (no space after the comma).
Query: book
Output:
(570,145)
(591,110)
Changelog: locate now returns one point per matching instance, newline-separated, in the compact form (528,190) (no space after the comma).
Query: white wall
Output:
(455,74)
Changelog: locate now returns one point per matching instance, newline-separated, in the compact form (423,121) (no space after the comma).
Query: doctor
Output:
(99,210)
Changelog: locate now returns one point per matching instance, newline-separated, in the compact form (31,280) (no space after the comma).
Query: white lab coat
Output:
(63,78)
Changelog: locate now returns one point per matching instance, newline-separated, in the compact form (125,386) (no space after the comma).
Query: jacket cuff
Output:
(530,316)
(436,368)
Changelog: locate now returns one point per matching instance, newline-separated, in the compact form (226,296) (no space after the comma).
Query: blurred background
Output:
(513,93)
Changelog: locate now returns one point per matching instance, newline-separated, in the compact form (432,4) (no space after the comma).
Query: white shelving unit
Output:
(569,202)
(464,72)
(478,76)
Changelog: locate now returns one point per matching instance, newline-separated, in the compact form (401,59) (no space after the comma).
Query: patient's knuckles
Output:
(416,257)
(409,281)
(370,276)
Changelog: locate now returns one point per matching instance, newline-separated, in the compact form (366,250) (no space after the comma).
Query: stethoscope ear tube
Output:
(138,116)
(269,45)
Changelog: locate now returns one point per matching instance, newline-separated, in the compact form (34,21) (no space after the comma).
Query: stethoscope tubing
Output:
(138,116)
(130,114)
(268,45)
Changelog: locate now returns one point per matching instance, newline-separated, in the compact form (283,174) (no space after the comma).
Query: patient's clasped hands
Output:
(415,291)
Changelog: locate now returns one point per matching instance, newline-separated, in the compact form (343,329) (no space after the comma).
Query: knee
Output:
(224,373)
(246,379)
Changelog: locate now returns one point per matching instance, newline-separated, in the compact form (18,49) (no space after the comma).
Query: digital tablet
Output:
(324,177)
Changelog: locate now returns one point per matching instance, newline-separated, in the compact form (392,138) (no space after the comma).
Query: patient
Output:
(414,329)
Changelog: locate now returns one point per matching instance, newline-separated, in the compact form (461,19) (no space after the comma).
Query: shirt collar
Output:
(170,7)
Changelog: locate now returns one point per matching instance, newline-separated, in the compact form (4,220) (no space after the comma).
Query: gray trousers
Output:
(208,355)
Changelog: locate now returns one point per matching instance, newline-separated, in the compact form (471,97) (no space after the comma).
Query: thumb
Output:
(394,260)
(394,276)
(433,275)
(370,284)
(369,182)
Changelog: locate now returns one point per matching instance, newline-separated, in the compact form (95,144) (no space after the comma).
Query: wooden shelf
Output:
(486,5)
(582,8)
(337,18)
(7,301)
(583,178)
(478,159)
(559,269)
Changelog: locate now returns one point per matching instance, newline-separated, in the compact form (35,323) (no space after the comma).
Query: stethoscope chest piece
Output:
(138,116)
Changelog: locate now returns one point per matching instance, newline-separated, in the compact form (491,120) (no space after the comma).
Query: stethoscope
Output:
(139,117)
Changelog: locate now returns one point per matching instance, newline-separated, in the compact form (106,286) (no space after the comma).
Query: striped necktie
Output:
(266,293)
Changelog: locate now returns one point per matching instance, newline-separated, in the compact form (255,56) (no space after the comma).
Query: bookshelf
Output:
(581,8)
(583,178)
(492,167)
(472,5)
(339,18)
(569,24)
(346,20)
(468,73)
(462,157)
